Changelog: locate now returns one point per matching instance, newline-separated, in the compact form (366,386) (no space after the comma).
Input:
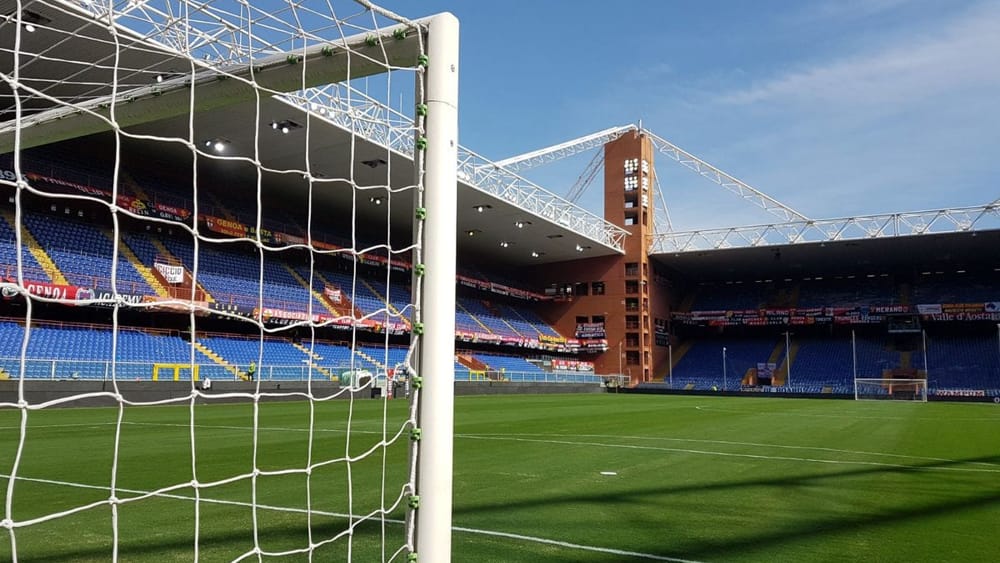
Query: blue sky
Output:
(836,108)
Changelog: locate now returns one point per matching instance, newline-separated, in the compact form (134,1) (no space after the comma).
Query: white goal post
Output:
(890,389)
(210,86)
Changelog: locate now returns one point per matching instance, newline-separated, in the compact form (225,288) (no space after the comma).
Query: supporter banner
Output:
(561,364)
(173,274)
(889,309)
(465,336)
(108,299)
(589,346)
(177,306)
(988,311)
(545,338)
(333,293)
(766,369)
(590,330)
(960,393)
(225,226)
(126,201)
(48,290)
(171,212)
(291,239)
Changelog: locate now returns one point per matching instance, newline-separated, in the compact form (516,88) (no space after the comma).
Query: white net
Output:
(209,211)
(890,389)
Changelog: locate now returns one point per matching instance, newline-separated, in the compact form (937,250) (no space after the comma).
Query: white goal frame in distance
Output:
(889,383)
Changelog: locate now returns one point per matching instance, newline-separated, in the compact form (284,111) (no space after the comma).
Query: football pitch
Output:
(563,478)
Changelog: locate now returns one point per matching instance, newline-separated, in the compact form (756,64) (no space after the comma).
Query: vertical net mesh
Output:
(208,210)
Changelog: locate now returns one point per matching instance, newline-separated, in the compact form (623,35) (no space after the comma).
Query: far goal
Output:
(890,389)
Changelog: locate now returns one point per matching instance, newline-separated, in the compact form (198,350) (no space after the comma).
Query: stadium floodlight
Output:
(100,73)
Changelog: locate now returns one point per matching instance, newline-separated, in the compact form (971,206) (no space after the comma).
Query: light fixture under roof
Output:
(218,145)
(377,200)
(30,20)
(285,126)
(505,244)
(521,224)
(536,254)
(580,248)
(482,208)
(472,232)
(374,163)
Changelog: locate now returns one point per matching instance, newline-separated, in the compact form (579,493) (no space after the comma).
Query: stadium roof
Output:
(154,91)
(934,253)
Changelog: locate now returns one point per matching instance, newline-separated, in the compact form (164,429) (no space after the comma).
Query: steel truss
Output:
(354,111)
(564,150)
(830,230)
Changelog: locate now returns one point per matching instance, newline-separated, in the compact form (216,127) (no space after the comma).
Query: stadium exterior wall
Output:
(631,302)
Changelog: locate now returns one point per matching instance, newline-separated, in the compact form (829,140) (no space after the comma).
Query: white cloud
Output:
(965,55)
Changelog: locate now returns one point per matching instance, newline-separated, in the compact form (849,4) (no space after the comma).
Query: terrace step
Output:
(163,251)
(315,357)
(321,297)
(144,270)
(36,250)
(212,355)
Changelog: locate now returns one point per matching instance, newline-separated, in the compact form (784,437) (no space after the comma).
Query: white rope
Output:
(232,39)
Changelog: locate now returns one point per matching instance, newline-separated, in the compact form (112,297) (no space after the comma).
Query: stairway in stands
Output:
(321,298)
(164,252)
(316,358)
(36,250)
(143,269)
(219,360)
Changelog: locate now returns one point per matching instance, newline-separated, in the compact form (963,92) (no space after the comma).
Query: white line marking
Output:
(730,454)
(856,416)
(355,518)
(747,444)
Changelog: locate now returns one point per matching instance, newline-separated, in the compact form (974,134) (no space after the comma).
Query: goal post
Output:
(235,140)
(890,389)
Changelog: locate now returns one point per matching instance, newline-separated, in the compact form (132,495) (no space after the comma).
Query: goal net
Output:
(226,210)
(891,389)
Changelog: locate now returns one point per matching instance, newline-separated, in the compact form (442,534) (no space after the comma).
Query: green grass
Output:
(697,478)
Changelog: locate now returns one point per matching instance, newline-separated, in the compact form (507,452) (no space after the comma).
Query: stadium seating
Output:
(701,366)
(83,254)
(966,362)
(8,256)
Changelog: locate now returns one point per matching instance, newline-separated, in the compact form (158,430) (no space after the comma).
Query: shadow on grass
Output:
(221,545)
(809,529)
(236,540)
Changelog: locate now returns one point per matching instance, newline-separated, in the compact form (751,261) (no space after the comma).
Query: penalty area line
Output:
(475,531)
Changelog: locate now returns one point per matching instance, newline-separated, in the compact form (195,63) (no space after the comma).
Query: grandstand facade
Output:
(805,318)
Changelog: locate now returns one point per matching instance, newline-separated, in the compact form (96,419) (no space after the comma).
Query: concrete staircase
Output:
(388,305)
(143,269)
(165,253)
(208,352)
(315,357)
(781,373)
(319,296)
(473,317)
(345,304)
(36,250)
(378,364)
